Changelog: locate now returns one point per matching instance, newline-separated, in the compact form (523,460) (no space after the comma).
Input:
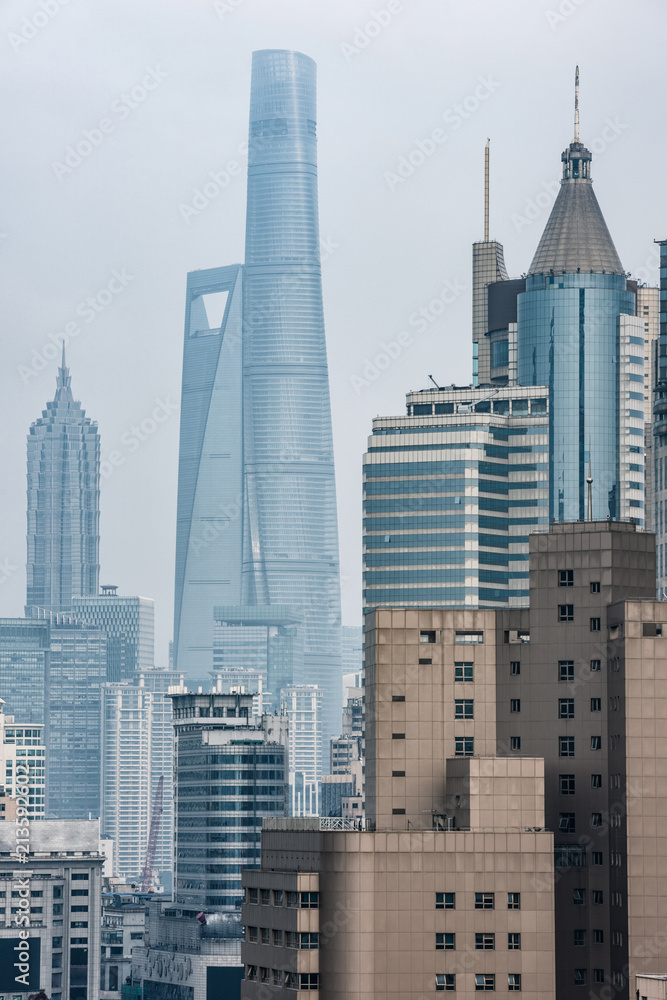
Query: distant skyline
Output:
(146,107)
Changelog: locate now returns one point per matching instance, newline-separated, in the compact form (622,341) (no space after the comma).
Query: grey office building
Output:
(129,624)
(256,521)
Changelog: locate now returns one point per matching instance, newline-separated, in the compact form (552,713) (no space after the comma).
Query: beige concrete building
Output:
(651,987)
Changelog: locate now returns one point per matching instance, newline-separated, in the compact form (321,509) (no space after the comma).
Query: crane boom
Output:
(147,877)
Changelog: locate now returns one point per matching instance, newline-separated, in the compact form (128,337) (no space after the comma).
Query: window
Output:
(484,900)
(75,892)
(513,900)
(427,636)
(309,940)
(398,774)
(515,668)
(398,697)
(598,976)
(463,709)
(514,982)
(485,981)
(265,897)
(596,781)
(264,974)
(464,746)
(251,973)
(598,896)
(566,746)
(579,939)
(277,897)
(463,671)
(80,877)
(596,743)
(445,942)
(485,942)
(565,578)
(566,822)
(398,812)
(580,977)
(652,629)
(57,909)
(515,704)
(445,901)
(445,981)
(578,897)
(596,704)
(252,933)
(57,942)
(291,981)
(595,666)
(597,858)
(398,736)
(595,624)
(469,637)
(566,670)
(277,977)
(57,892)
(515,742)
(566,784)
(424,661)
(309,981)
(514,942)
(617,939)
(292,898)
(595,586)
(291,939)
(310,900)
(566,708)
(598,937)
(265,935)
(251,895)
(596,819)
(277,939)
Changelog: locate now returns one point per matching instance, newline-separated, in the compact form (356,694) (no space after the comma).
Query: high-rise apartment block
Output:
(541,726)
(22,768)
(129,626)
(302,704)
(659,442)
(256,521)
(63,502)
(50,910)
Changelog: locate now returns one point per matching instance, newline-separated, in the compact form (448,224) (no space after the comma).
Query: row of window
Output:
(483,900)
(484,982)
(567,783)
(277,897)
(464,707)
(567,822)
(566,579)
(566,745)
(307,940)
(483,942)
(277,977)
(566,614)
(464,672)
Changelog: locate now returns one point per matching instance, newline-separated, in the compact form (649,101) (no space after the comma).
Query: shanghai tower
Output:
(257,563)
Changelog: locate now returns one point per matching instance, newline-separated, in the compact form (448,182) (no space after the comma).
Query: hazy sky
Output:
(155,97)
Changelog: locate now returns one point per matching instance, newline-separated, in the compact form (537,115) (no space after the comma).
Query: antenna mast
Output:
(486,192)
(576,105)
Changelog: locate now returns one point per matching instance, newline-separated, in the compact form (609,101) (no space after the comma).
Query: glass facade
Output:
(257,505)
(129,626)
(569,340)
(24,680)
(230,770)
(63,502)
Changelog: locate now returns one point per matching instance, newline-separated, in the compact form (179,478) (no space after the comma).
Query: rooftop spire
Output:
(576,105)
(63,380)
(486,191)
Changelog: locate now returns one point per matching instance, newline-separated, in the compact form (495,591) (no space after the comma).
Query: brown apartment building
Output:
(516,788)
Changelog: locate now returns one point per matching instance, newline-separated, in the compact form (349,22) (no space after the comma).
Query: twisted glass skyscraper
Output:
(257,505)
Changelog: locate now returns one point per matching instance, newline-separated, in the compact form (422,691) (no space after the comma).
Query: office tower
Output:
(63,502)
(137,750)
(236,767)
(77,671)
(302,704)
(24,678)
(257,508)
(260,642)
(129,623)
(451,491)
(659,437)
(22,768)
(63,874)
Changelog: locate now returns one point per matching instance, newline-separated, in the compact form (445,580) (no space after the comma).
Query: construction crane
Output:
(147,877)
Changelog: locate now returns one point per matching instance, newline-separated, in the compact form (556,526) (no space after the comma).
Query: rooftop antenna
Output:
(589,480)
(486,191)
(434,382)
(576,105)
